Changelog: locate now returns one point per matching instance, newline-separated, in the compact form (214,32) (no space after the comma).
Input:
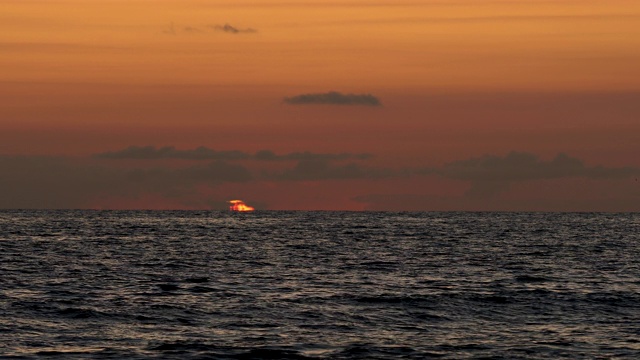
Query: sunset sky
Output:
(320,105)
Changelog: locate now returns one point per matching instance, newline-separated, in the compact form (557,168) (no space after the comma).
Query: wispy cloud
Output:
(53,47)
(233,30)
(170,30)
(192,29)
(173,29)
(204,153)
(333,98)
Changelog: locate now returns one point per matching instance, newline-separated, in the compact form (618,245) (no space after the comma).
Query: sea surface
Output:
(319,285)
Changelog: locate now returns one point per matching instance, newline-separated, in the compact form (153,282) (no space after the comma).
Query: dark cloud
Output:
(212,173)
(233,30)
(521,166)
(323,170)
(333,98)
(54,183)
(305,156)
(204,153)
(218,171)
(170,152)
(492,174)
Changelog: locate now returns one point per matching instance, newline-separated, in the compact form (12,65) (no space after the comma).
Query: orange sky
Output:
(457,80)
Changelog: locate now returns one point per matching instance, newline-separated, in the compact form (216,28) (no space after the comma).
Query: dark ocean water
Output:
(338,285)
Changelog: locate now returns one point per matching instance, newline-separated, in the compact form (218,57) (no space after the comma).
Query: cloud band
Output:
(333,98)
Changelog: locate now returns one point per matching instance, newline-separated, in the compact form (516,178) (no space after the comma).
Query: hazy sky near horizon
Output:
(330,105)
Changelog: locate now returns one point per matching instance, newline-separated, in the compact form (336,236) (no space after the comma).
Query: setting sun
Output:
(239,205)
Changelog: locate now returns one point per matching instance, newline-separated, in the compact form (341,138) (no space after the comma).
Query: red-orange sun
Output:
(239,205)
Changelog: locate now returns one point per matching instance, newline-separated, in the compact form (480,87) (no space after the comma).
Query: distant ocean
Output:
(319,285)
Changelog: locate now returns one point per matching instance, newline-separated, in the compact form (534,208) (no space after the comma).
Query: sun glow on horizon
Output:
(239,205)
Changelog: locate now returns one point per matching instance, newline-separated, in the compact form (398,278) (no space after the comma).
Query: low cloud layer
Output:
(333,98)
(170,152)
(490,174)
(522,166)
(64,183)
(267,155)
(322,170)
(56,182)
(204,153)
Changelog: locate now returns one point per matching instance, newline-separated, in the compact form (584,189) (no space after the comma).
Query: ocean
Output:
(318,285)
